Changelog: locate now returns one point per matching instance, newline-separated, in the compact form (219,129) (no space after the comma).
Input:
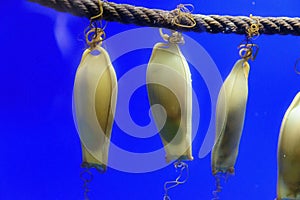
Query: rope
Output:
(129,14)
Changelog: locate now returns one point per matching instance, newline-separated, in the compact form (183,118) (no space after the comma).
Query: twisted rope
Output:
(141,16)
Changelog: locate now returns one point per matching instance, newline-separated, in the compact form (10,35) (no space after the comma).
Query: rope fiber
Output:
(129,14)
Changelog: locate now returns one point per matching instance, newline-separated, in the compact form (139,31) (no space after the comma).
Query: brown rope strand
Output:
(141,16)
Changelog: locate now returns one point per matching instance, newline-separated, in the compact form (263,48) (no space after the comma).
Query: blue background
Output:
(40,149)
